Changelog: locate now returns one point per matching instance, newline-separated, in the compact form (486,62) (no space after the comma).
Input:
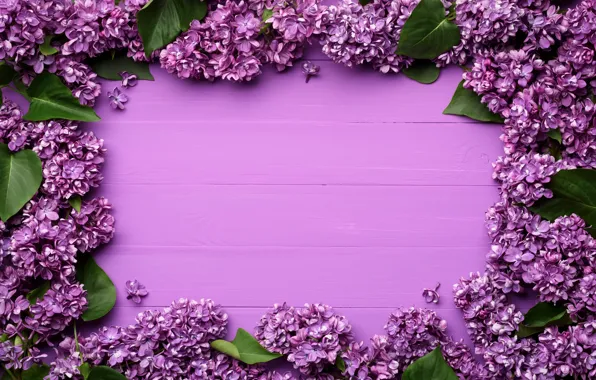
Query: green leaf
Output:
(51,99)
(20,178)
(340,364)
(574,192)
(423,71)
(85,369)
(555,134)
(75,202)
(525,331)
(7,74)
(543,314)
(245,348)
(161,21)
(109,67)
(431,366)
(46,48)
(364,2)
(427,33)
(101,293)
(466,102)
(36,372)
(38,293)
(105,373)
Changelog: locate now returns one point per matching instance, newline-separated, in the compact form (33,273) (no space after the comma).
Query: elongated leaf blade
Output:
(101,293)
(51,99)
(428,33)
(161,21)
(20,178)
(466,102)
(431,366)
(104,373)
(110,68)
(245,348)
(574,192)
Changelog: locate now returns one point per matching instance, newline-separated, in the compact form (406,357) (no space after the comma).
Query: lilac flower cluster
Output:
(353,34)
(238,37)
(172,343)
(38,246)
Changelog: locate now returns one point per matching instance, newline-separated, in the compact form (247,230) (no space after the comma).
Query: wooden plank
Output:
(293,152)
(304,216)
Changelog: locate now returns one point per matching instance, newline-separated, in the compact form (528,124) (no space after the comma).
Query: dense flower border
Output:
(532,63)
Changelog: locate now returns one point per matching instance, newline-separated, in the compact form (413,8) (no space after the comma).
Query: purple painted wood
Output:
(352,190)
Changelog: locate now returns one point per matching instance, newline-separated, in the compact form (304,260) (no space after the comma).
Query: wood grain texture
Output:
(352,190)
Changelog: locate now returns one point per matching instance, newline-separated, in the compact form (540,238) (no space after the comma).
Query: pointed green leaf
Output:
(51,99)
(38,293)
(46,48)
(85,370)
(543,314)
(105,373)
(75,202)
(20,178)
(574,192)
(431,366)
(101,293)
(340,364)
(245,348)
(423,71)
(466,102)
(36,372)
(109,67)
(161,21)
(427,33)
(555,134)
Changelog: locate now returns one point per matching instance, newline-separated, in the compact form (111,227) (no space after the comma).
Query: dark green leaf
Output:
(75,202)
(161,21)
(38,293)
(51,99)
(245,348)
(423,71)
(340,364)
(431,366)
(105,373)
(109,67)
(46,48)
(427,33)
(85,369)
(466,102)
(101,293)
(555,134)
(7,74)
(20,177)
(525,331)
(36,372)
(574,192)
(543,314)
(364,2)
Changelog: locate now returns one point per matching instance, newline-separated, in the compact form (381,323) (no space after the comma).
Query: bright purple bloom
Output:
(117,99)
(135,291)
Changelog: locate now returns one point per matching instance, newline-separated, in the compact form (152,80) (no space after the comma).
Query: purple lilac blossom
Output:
(135,291)
(117,99)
